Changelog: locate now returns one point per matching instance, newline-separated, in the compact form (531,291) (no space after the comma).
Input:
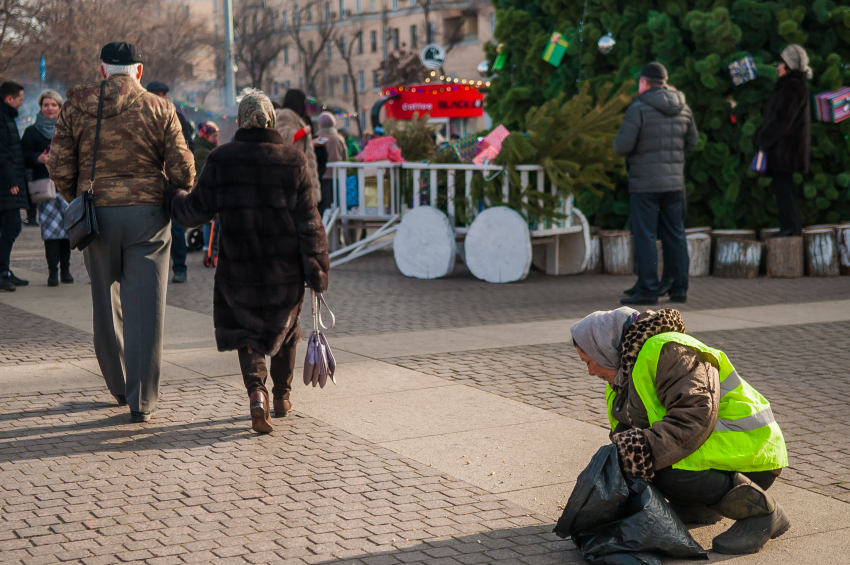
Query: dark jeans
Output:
(786,201)
(32,214)
(58,254)
(10,229)
(658,215)
(179,248)
(703,488)
(254,371)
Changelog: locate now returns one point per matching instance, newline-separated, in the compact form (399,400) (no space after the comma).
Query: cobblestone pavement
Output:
(79,484)
(26,339)
(370,296)
(798,368)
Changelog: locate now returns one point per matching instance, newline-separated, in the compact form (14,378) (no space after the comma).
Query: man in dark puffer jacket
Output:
(657,134)
(13,181)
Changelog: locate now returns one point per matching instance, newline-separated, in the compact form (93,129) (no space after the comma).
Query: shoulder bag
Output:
(42,190)
(80,217)
(319,363)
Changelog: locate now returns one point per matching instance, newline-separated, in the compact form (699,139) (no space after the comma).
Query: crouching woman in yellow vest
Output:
(682,417)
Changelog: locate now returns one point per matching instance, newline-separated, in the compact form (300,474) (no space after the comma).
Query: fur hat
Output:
(796,59)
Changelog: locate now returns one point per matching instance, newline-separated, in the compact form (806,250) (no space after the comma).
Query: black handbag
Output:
(80,217)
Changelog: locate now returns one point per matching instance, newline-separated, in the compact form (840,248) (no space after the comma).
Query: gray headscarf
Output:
(255,110)
(599,335)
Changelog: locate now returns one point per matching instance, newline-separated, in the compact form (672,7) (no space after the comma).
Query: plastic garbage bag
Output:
(615,520)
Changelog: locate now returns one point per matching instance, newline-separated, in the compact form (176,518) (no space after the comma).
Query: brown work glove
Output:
(633,451)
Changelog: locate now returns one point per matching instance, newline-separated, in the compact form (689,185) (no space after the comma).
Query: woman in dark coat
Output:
(36,145)
(272,242)
(786,135)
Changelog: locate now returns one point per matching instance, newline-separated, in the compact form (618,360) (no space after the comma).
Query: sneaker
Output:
(15,280)
(6,284)
(179,277)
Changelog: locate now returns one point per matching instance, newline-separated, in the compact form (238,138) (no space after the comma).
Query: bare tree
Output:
(404,67)
(259,39)
(345,46)
(311,29)
(71,35)
(18,19)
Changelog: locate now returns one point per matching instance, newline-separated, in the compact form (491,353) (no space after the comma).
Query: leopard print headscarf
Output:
(650,324)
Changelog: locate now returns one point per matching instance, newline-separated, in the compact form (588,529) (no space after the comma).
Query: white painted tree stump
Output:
(737,258)
(821,248)
(766,233)
(691,231)
(725,234)
(844,249)
(618,254)
(498,246)
(424,245)
(785,257)
(699,254)
(594,266)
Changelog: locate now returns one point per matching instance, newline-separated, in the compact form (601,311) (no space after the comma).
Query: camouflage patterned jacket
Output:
(141,145)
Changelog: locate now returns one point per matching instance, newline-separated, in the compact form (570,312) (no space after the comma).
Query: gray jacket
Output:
(657,134)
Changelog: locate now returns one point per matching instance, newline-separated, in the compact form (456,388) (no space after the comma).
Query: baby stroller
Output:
(211,260)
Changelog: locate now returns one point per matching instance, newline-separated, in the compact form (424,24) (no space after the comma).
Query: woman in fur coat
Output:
(786,135)
(272,242)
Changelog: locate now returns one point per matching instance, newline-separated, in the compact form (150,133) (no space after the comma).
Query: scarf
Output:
(45,126)
(255,110)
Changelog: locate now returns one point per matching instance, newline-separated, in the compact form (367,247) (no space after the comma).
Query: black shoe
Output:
(631,291)
(7,285)
(15,280)
(179,277)
(638,300)
(66,277)
(140,417)
(750,534)
(664,287)
(53,279)
(680,298)
(122,401)
(31,223)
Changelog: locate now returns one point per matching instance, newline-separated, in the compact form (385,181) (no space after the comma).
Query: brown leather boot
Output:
(281,407)
(260,420)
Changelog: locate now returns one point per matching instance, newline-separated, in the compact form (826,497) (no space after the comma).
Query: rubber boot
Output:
(758,518)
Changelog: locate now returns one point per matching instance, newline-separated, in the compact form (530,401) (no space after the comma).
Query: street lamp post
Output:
(229,61)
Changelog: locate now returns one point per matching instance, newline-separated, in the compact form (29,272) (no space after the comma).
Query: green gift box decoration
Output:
(556,49)
(499,63)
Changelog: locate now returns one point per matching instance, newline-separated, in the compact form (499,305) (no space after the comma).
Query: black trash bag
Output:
(615,520)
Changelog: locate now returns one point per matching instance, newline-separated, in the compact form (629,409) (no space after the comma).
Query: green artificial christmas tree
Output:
(696,41)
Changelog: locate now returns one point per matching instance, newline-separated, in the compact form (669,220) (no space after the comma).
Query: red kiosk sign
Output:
(438,100)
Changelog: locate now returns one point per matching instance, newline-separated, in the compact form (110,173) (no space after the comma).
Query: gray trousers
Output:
(128,267)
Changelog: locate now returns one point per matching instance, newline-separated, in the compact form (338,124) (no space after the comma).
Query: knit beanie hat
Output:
(326,120)
(655,71)
(796,59)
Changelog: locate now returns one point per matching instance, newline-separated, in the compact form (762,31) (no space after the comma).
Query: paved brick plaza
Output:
(79,484)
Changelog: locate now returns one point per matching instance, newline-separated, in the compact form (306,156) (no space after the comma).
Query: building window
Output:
(361,82)
(394,38)
(283,24)
(395,4)
(330,49)
(342,46)
(359,42)
(341,9)
(296,15)
(373,41)
(255,23)
(271,20)
(412,3)
(372,5)
(300,84)
(276,89)
(359,6)
(286,85)
(493,24)
(414,42)
(374,81)
(286,54)
(216,32)
(328,12)
(215,5)
(331,86)
(309,15)
(429,36)
(345,85)
(461,29)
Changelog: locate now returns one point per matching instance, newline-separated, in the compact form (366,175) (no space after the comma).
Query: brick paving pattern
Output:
(798,368)
(370,296)
(80,484)
(27,339)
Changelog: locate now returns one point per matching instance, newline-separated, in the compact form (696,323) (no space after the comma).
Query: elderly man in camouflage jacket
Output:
(141,145)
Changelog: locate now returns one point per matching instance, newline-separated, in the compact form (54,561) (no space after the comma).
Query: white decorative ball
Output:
(483,69)
(606,44)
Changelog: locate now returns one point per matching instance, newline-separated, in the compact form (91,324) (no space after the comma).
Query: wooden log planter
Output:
(594,266)
(737,258)
(785,257)
(618,254)
(726,234)
(844,249)
(699,254)
(821,249)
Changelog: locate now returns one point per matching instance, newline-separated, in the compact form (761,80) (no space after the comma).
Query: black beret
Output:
(121,53)
(156,86)
(654,70)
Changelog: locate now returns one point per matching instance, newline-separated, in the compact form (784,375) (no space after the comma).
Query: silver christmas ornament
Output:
(483,69)
(606,43)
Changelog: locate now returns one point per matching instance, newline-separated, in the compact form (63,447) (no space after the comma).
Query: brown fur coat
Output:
(272,239)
